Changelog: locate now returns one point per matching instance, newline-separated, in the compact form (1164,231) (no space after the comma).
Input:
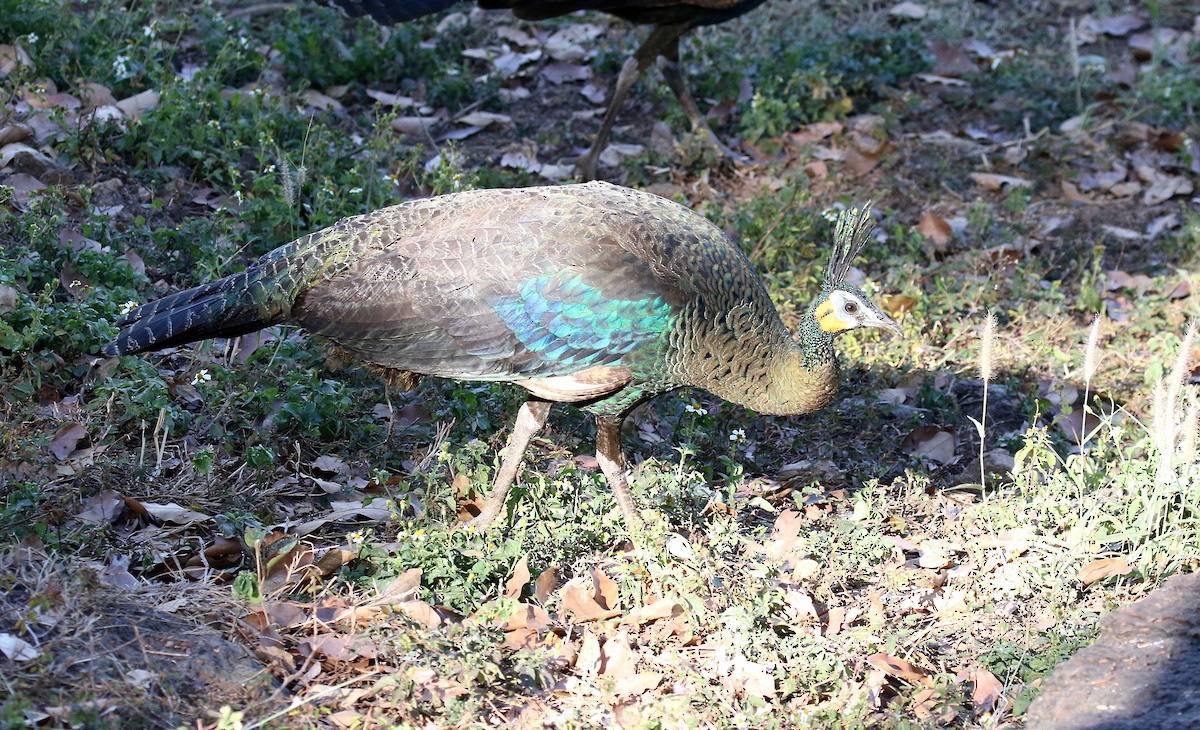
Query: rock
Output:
(1140,674)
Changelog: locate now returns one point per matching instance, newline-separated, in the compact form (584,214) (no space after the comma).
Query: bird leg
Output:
(660,40)
(530,420)
(612,463)
(670,71)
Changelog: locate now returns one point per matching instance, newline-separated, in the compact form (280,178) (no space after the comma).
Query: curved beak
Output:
(878,319)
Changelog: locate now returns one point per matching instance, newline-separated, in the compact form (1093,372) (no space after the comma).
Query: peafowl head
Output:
(842,307)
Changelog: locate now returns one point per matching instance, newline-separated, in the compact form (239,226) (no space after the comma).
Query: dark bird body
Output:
(670,18)
(591,294)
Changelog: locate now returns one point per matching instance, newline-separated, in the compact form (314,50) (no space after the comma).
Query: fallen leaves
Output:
(1102,568)
(936,229)
(996,182)
(935,443)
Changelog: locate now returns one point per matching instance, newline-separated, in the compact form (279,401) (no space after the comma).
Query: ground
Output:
(253,536)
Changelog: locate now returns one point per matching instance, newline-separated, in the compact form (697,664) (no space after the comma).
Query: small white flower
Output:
(694,408)
(830,214)
(32,39)
(214,124)
(128,307)
(150,31)
(355,191)
(356,538)
(237,195)
(121,66)
(203,376)
(268,169)
(738,435)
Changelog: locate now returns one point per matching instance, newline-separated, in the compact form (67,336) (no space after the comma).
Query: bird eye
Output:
(851,307)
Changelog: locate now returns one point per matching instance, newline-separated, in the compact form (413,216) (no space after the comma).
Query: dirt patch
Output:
(118,657)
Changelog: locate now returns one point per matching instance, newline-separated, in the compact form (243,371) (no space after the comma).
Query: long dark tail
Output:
(228,307)
(258,297)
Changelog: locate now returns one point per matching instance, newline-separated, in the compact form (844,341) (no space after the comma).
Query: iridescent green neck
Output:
(816,343)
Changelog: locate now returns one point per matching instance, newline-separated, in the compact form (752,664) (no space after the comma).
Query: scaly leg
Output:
(530,420)
(670,71)
(660,40)
(612,463)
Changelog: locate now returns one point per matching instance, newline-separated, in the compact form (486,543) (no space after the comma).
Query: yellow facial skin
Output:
(828,319)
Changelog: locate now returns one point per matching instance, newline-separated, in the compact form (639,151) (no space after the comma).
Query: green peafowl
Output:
(671,20)
(591,294)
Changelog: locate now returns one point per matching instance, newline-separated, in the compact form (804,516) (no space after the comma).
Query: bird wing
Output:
(506,302)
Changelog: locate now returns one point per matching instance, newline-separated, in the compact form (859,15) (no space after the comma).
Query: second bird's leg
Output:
(612,463)
(530,420)
(660,40)
(670,71)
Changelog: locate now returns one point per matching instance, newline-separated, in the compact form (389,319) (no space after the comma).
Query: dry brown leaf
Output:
(561,72)
(606,591)
(1118,26)
(589,658)
(988,690)
(333,646)
(814,132)
(898,668)
(416,126)
(992,181)
(423,613)
(11,58)
(1103,568)
(932,442)
(751,678)
(66,438)
(138,104)
(860,164)
(898,305)
(400,589)
(333,560)
(936,554)
(16,649)
(936,229)
(330,465)
(784,534)
(1071,192)
(620,661)
(930,707)
(485,119)
(25,187)
(174,513)
(103,508)
(520,578)
(637,684)
(530,617)
(660,609)
(581,604)
(545,584)
(1166,187)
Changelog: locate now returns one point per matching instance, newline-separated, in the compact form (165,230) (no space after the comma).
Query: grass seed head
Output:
(987,341)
